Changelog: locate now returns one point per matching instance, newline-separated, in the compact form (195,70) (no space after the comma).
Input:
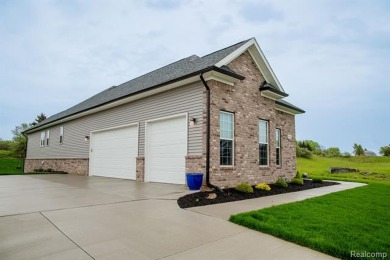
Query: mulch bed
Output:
(200,198)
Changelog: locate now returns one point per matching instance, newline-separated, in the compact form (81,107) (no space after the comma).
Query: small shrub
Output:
(299,175)
(263,186)
(317,180)
(297,181)
(303,152)
(281,183)
(244,187)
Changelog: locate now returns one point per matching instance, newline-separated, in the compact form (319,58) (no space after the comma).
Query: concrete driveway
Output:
(78,217)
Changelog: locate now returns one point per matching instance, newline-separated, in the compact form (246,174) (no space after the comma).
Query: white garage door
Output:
(114,152)
(165,150)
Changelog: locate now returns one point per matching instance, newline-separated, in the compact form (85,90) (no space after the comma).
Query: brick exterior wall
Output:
(71,166)
(196,164)
(247,104)
(140,168)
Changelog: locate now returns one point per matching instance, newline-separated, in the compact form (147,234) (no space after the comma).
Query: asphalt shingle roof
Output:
(174,71)
(157,77)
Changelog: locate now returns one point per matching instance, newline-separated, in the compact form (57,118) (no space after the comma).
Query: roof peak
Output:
(238,43)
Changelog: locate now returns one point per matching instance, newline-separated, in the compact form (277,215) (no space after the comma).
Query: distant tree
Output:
(346,154)
(303,152)
(309,145)
(385,150)
(358,150)
(19,147)
(39,119)
(6,145)
(333,152)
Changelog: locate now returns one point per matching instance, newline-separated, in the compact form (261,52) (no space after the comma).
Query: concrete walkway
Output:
(77,217)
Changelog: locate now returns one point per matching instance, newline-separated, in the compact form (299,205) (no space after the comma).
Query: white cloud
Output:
(331,57)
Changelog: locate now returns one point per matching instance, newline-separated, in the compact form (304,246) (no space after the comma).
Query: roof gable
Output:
(258,56)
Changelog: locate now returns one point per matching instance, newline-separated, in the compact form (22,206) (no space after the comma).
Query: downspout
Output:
(208,135)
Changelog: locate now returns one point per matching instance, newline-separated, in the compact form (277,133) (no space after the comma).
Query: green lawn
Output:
(9,166)
(338,223)
(319,167)
(335,224)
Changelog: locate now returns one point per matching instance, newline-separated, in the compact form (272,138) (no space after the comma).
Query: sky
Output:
(332,57)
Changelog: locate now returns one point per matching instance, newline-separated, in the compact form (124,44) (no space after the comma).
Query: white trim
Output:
(47,137)
(121,102)
(278,133)
(42,139)
(286,110)
(267,143)
(166,117)
(146,168)
(215,75)
(61,138)
(235,54)
(233,146)
(271,95)
(260,60)
(112,128)
(92,141)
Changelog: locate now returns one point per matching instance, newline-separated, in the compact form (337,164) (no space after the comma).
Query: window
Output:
(42,143)
(277,145)
(47,137)
(263,142)
(61,135)
(226,126)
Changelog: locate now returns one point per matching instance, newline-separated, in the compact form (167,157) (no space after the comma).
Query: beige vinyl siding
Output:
(186,99)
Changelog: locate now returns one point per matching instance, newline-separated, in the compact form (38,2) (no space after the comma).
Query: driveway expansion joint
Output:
(66,235)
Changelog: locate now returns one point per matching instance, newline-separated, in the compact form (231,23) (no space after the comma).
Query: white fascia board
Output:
(120,102)
(286,110)
(235,54)
(215,75)
(260,60)
(270,95)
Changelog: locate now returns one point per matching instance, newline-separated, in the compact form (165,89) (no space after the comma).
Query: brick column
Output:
(140,169)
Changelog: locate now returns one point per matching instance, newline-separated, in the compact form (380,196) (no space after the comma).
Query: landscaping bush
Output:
(297,181)
(244,187)
(263,186)
(281,183)
(298,175)
(303,152)
(317,180)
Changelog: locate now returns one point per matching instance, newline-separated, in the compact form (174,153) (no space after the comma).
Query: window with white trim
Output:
(278,146)
(47,137)
(61,134)
(226,140)
(263,142)
(42,143)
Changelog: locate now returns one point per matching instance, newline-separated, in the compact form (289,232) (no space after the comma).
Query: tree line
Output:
(308,148)
(16,148)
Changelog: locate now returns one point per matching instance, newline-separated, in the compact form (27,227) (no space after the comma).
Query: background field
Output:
(377,168)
